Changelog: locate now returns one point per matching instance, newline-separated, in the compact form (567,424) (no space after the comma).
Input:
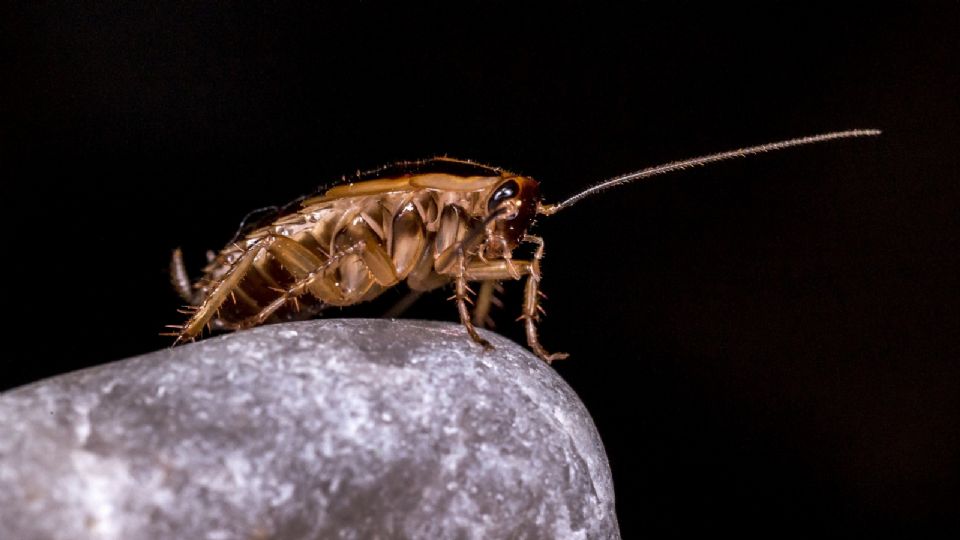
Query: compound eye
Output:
(507,190)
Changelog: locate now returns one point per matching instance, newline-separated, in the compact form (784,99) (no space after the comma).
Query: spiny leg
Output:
(462,299)
(502,269)
(531,304)
(486,297)
(445,262)
(307,266)
(298,288)
(220,292)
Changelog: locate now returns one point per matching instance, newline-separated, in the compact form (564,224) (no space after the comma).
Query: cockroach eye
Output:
(507,190)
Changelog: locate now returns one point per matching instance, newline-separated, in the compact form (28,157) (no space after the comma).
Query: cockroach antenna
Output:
(550,209)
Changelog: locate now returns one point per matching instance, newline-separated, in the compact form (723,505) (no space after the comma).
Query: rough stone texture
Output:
(322,429)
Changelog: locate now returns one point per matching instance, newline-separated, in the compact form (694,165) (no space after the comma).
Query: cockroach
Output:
(429,223)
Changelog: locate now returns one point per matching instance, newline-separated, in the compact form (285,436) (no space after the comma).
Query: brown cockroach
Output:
(429,223)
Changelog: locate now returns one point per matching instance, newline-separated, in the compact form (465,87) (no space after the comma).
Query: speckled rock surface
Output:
(321,429)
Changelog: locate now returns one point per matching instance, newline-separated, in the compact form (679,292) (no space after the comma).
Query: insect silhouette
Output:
(429,223)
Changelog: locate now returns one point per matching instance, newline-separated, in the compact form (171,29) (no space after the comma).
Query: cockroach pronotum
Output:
(429,223)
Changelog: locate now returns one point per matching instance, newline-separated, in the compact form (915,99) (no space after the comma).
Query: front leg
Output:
(222,289)
(462,299)
(502,269)
(531,304)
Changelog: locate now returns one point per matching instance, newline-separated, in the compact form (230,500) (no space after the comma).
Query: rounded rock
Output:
(320,429)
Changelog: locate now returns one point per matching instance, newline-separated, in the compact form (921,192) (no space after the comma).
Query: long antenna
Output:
(704,160)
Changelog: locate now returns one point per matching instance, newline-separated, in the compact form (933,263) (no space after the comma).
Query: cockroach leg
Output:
(181,279)
(508,258)
(221,291)
(462,299)
(446,260)
(501,270)
(481,313)
(378,261)
(531,304)
(300,287)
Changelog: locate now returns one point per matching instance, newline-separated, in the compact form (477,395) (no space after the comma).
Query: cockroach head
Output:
(514,201)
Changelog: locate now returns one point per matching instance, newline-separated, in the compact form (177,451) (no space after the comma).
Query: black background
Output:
(768,346)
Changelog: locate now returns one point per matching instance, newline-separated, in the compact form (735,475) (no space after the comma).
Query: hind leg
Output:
(223,289)
(302,285)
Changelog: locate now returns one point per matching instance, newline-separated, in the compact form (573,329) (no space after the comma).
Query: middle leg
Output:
(300,287)
(486,298)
